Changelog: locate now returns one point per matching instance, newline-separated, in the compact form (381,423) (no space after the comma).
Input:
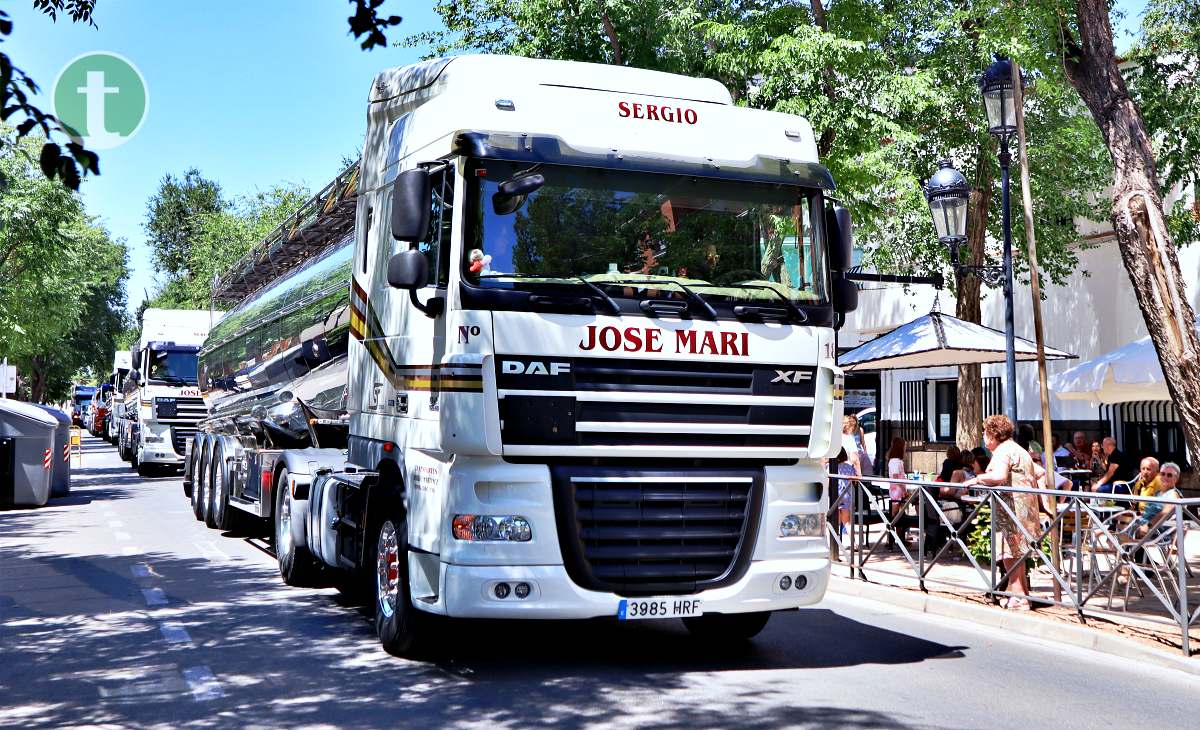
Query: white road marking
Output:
(204,685)
(122,535)
(141,570)
(154,596)
(116,523)
(130,550)
(210,551)
(174,633)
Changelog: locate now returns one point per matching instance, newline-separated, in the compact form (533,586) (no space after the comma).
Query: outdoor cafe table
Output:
(1077,476)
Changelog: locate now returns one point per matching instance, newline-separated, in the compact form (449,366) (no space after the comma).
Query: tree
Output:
(1165,83)
(1143,235)
(218,238)
(62,295)
(173,217)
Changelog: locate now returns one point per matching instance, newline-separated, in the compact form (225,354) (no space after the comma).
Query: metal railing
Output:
(1082,542)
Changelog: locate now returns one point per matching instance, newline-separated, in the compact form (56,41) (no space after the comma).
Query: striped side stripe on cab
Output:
(365,327)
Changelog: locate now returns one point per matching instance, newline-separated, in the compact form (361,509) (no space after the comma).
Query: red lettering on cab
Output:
(657,112)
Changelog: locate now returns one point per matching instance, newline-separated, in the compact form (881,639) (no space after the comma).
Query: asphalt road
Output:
(118,608)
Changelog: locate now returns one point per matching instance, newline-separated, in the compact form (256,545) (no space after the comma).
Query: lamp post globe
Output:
(999,99)
(947,193)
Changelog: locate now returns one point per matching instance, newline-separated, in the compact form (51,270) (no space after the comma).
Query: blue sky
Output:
(251,93)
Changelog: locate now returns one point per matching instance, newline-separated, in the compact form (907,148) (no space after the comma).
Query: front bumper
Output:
(468,591)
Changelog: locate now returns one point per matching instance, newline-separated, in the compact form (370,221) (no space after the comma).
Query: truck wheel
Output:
(220,515)
(122,451)
(200,485)
(727,626)
(296,564)
(397,621)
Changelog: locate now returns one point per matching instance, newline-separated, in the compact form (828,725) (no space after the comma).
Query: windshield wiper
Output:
(687,291)
(792,309)
(612,303)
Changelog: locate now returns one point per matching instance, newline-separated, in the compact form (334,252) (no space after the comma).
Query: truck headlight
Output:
(492,528)
(807,525)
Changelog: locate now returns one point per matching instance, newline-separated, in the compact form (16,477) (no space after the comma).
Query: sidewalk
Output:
(890,580)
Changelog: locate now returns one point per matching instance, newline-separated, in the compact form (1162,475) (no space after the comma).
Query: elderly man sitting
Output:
(1147,484)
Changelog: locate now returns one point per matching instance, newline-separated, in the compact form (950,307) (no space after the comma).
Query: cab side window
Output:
(441,221)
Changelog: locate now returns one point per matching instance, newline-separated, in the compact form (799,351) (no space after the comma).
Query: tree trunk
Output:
(611,32)
(37,380)
(1137,213)
(969,429)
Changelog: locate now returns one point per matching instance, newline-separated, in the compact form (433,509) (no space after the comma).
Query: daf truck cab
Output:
(161,397)
(588,367)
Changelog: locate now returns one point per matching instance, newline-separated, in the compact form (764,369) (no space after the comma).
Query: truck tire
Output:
(297,566)
(719,627)
(398,623)
(122,448)
(219,512)
(200,485)
(144,469)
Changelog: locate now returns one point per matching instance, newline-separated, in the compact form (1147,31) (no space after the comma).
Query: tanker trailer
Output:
(274,374)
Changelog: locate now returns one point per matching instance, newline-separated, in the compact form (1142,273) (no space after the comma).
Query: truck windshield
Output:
(726,241)
(173,367)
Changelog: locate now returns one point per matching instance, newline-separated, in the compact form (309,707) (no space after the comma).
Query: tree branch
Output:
(611,32)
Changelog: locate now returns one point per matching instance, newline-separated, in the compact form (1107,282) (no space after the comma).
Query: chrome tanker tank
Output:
(289,336)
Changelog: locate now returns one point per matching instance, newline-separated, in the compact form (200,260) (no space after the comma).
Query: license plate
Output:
(669,607)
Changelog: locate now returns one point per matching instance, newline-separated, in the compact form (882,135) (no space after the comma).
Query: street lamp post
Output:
(998,103)
(947,193)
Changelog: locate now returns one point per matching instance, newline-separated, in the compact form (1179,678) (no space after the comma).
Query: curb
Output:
(1016,623)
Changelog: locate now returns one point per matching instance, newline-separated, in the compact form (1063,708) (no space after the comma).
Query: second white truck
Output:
(161,399)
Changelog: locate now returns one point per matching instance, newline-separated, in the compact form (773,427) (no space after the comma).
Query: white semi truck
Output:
(122,364)
(161,400)
(571,353)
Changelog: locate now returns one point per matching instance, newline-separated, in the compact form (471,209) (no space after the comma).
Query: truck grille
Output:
(656,532)
(608,402)
(179,410)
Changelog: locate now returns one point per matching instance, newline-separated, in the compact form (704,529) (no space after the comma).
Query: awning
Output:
(1129,373)
(936,340)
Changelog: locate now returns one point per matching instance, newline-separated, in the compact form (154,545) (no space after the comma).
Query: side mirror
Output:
(137,360)
(845,295)
(408,270)
(411,203)
(839,231)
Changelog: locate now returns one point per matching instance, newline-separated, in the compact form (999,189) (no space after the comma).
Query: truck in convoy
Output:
(161,400)
(569,353)
(115,397)
(81,400)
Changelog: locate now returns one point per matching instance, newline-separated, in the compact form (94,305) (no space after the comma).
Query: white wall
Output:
(1093,313)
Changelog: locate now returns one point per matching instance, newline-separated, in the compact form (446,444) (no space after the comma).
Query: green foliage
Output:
(888,87)
(173,216)
(217,238)
(1165,81)
(62,277)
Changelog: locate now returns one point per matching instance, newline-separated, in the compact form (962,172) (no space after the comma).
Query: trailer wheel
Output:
(296,564)
(397,622)
(122,449)
(727,626)
(220,515)
(200,485)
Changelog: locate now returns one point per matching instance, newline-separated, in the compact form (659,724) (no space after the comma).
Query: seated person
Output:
(1154,516)
(1147,484)
(1116,471)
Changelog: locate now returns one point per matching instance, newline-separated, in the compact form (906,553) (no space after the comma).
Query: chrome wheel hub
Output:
(285,521)
(387,569)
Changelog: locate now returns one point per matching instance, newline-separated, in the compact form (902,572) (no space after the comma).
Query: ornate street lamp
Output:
(947,193)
